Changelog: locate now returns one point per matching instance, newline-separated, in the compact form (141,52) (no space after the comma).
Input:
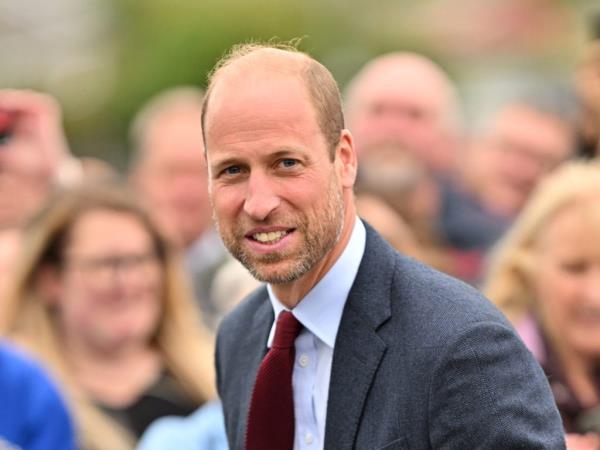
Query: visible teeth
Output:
(271,237)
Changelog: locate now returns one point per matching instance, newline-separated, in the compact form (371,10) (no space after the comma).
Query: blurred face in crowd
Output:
(172,174)
(521,146)
(109,290)
(281,203)
(25,165)
(404,102)
(566,278)
(403,182)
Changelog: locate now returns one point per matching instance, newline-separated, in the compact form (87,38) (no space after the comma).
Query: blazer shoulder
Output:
(440,290)
(245,310)
(419,298)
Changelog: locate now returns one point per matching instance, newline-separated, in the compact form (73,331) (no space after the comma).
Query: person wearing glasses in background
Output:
(98,296)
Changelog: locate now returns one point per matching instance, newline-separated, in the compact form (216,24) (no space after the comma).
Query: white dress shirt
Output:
(320,312)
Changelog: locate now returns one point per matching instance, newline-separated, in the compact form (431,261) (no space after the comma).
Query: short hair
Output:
(162,103)
(512,261)
(322,88)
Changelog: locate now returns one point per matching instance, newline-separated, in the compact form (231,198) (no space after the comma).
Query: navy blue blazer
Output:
(421,361)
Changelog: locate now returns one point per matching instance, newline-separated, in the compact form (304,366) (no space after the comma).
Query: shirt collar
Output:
(320,311)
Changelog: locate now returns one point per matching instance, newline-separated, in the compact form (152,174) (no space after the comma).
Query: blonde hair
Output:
(513,260)
(29,319)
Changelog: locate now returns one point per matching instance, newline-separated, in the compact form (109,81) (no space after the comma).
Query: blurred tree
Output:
(104,58)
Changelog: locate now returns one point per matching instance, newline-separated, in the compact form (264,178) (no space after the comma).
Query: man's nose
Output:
(261,196)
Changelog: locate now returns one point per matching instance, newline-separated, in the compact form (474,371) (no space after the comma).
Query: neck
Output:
(115,378)
(290,294)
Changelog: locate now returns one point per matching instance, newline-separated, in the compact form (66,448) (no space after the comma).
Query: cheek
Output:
(557,297)
(304,194)
(142,319)
(155,189)
(423,130)
(552,289)
(77,307)
(363,122)
(85,309)
(225,202)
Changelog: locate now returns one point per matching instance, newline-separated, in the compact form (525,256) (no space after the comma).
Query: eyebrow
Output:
(225,162)
(281,153)
(288,151)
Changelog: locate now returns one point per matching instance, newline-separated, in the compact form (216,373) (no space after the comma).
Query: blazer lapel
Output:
(358,349)
(253,350)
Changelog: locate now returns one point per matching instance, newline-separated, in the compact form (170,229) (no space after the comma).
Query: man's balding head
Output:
(322,88)
(404,98)
(281,166)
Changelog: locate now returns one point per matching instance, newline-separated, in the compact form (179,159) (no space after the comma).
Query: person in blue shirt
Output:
(32,414)
(203,430)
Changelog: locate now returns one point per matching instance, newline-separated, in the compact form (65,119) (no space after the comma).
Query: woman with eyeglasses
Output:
(99,297)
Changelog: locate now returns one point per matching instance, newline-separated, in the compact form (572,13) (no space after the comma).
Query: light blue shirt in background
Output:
(320,312)
(202,430)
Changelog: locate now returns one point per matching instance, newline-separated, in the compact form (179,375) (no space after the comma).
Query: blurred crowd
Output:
(112,284)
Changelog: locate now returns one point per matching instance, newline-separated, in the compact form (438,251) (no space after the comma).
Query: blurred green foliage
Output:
(163,43)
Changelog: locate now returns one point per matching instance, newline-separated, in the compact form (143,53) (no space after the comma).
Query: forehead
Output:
(175,134)
(258,104)
(575,227)
(97,226)
(521,119)
(539,131)
(403,81)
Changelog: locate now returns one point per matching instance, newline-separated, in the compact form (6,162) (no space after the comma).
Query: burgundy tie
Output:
(271,416)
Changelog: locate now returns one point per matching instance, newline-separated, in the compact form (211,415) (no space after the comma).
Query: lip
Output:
(267,230)
(264,248)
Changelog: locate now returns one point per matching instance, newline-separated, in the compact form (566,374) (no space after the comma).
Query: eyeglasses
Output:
(103,270)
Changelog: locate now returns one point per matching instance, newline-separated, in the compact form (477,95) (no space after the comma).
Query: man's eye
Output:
(288,162)
(232,170)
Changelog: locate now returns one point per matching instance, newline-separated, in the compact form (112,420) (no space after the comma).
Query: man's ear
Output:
(48,284)
(346,160)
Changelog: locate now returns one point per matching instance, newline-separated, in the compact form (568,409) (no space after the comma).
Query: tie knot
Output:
(286,330)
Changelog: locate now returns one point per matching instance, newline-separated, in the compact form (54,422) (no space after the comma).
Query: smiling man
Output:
(350,345)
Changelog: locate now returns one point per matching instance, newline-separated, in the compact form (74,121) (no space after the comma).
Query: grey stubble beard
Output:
(322,236)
